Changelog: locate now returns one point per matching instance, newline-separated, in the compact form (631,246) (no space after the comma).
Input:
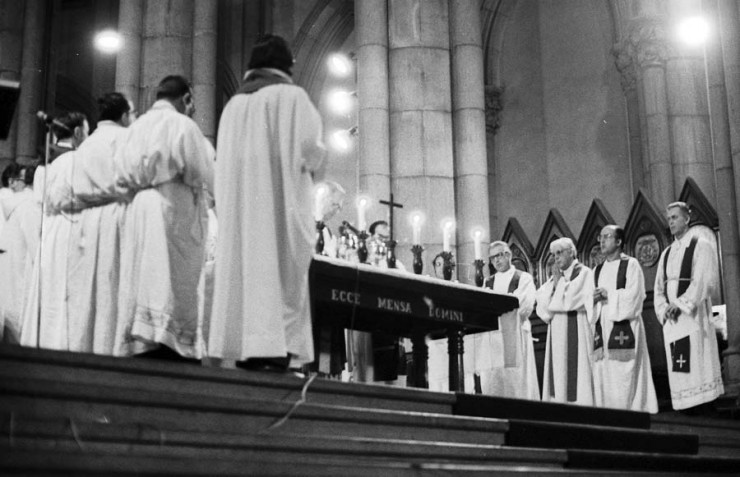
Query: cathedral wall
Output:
(563,139)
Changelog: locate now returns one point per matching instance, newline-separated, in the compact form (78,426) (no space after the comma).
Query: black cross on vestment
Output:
(391,205)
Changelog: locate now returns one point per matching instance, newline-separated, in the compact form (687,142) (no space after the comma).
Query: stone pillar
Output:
(468,128)
(726,189)
(729,26)
(625,63)
(648,40)
(204,66)
(11,39)
(688,111)
(494,105)
(128,62)
(371,30)
(422,166)
(31,81)
(168,44)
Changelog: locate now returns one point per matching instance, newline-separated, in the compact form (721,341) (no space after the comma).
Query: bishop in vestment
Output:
(565,303)
(166,161)
(621,363)
(269,146)
(683,305)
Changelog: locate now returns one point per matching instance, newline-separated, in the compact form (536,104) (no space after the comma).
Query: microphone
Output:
(50,120)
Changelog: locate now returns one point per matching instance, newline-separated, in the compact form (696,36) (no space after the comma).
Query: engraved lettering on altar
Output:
(443,313)
(394,305)
(344,296)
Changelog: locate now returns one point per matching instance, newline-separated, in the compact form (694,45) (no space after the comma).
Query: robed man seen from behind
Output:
(269,144)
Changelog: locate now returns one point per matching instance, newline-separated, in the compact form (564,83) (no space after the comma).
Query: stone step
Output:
(152,375)
(507,408)
(643,461)
(44,399)
(69,435)
(717,437)
(553,435)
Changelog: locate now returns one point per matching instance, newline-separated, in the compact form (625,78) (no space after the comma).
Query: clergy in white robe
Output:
(165,160)
(565,303)
(621,363)
(269,144)
(508,369)
(79,265)
(19,243)
(683,288)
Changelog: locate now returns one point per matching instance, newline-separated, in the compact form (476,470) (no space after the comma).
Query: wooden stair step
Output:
(509,408)
(633,461)
(154,375)
(554,435)
(68,432)
(93,464)
(717,437)
(181,411)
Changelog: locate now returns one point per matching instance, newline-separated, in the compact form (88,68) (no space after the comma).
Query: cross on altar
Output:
(622,338)
(680,361)
(391,205)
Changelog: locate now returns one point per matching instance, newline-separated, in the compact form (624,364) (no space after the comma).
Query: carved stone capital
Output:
(624,60)
(648,40)
(494,105)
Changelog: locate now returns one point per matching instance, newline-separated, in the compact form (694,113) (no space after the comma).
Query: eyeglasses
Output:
(604,236)
(498,256)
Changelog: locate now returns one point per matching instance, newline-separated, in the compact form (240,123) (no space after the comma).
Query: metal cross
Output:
(680,361)
(391,205)
(622,338)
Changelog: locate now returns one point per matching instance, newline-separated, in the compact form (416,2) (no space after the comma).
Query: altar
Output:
(366,298)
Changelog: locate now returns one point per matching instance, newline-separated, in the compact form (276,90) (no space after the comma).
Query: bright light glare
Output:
(108,41)
(477,233)
(340,102)
(339,65)
(448,224)
(693,31)
(340,141)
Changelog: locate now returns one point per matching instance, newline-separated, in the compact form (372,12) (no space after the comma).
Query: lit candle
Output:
(476,243)
(318,202)
(361,205)
(416,226)
(446,236)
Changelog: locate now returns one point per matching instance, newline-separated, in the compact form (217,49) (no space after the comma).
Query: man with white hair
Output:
(565,303)
(511,369)
(683,304)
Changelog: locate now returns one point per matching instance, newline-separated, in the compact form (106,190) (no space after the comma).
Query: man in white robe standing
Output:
(683,288)
(565,303)
(269,145)
(165,160)
(621,364)
(80,249)
(511,370)
(18,248)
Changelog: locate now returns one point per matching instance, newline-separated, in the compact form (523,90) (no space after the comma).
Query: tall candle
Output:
(446,237)
(361,221)
(318,202)
(416,226)
(476,243)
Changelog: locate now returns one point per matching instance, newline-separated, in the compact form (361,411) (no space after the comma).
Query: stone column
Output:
(168,44)
(494,105)
(726,190)
(468,128)
(648,40)
(688,111)
(31,81)
(128,61)
(204,66)
(729,26)
(625,63)
(11,39)
(422,165)
(371,29)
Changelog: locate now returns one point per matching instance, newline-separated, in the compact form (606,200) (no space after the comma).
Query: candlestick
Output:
(447,265)
(478,272)
(418,264)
